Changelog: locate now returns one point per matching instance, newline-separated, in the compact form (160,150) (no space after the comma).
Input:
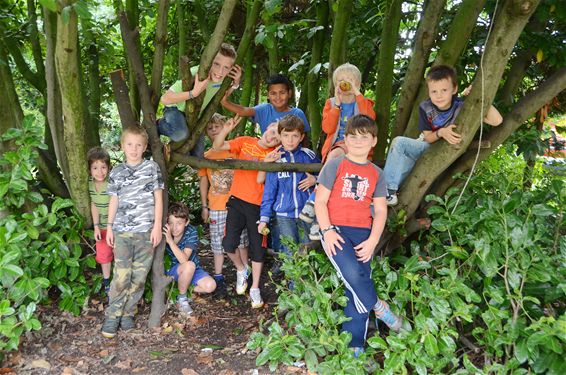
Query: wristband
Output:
(332,227)
(235,87)
(337,106)
(191,95)
(109,224)
(205,207)
(438,134)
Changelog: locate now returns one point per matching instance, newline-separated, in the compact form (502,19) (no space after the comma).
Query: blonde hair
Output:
(347,68)
(134,130)
(217,118)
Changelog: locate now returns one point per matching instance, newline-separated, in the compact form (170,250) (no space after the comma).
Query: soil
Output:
(210,341)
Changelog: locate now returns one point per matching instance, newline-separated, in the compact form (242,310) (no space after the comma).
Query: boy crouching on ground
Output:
(133,228)
(182,242)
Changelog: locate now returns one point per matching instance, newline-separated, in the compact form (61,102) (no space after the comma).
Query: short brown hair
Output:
(440,72)
(228,50)
(361,124)
(289,123)
(96,154)
(179,210)
(135,130)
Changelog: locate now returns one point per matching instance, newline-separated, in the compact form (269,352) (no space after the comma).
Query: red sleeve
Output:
(330,118)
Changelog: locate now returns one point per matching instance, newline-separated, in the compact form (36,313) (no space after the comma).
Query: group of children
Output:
(350,203)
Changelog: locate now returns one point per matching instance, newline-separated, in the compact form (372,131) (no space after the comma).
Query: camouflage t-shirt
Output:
(134,187)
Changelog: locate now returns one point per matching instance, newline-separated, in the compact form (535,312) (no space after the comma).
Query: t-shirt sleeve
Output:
(302,116)
(236,145)
(380,186)
(113,187)
(423,121)
(192,239)
(327,175)
(201,172)
(260,116)
(177,86)
(157,177)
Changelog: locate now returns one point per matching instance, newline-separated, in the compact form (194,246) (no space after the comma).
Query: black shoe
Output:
(110,327)
(127,323)
(221,290)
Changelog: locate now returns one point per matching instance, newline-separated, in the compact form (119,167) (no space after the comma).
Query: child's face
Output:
(440,92)
(99,170)
(271,136)
(221,66)
(134,146)
(360,144)
(177,225)
(290,140)
(212,129)
(279,96)
(347,77)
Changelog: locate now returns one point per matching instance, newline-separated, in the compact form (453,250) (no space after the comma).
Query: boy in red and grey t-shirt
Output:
(348,185)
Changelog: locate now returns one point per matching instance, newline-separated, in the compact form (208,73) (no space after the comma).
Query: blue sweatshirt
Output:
(281,193)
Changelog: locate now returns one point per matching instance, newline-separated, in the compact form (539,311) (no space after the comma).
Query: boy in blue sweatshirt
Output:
(286,193)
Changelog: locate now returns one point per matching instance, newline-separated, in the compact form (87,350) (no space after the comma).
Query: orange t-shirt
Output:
(220,180)
(245,186)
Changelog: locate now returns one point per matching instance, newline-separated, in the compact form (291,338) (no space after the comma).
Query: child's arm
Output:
(269,158)
(331,237)
(364,251)
(220,143)
(158,215)
(236,108)
(112,208)
(181,255)
(446,132)
(172,97)
(493,116)
(330,117)
(95,221)
(203,189)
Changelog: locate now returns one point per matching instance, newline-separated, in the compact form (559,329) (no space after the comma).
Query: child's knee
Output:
(207,284)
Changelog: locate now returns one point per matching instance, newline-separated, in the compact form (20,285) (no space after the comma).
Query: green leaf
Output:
(11,270)
(60,204)
(263,357)
(457,252)
(377,342)
(81,7)
(430,344)
(49,4)
(521,351)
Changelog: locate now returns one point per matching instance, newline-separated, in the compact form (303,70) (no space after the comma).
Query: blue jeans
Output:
(403,154)
(174,125)
(360,288)
(288,227)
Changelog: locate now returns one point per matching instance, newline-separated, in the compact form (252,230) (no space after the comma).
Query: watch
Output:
(331,227)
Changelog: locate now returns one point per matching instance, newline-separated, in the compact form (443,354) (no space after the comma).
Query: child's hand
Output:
(306,183)
(155,235)
(110,236)
(261,227)
(204,213)
(167,233)
(231,123)
(236,74)
(274,155)
(364,251)
(97,234)
(337,95)
(450,135)
(199,86)
(467,90)
(332,240)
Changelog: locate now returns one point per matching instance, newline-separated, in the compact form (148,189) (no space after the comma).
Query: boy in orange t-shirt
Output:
(245,199)
(214,189)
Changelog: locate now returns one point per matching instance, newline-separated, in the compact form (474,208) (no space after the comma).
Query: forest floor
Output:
(210,341)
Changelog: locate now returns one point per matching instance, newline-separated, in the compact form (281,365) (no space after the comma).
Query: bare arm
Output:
(447,133)
(236,108)
(493,116)
(220,142)
(171,97)
(203,189)
(269,158)
(332,239)
(95,218)
(181,255)
(364,251)
(158,216)
(112,208)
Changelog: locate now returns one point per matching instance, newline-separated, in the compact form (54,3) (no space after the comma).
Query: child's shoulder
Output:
(309,154)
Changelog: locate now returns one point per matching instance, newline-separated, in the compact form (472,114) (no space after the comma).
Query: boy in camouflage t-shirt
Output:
(134,228)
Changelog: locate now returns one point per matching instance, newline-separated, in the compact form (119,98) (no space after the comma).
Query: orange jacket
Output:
(331,119)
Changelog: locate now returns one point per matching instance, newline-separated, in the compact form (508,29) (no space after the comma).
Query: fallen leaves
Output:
(40,363)
(189,371)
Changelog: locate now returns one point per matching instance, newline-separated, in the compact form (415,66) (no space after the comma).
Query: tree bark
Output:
(424,40)
(196,162)
(450,51)
(510,21)
(386,60)
(337,53)
(122,98)
(11,114)
(515,76)
(313,75)
(159,55)
(132,11)
(35,41)
(183,26)
(93,131)
(74,113)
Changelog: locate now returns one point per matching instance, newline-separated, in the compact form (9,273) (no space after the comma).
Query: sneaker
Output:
(110,327)
(358,351)
(307,214)
(392,199)
(255,295)
(314,234)
(183,306)
(241,281)
(127,323)
(387,316)
(220,291)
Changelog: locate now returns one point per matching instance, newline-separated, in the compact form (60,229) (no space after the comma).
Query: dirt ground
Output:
(211,341)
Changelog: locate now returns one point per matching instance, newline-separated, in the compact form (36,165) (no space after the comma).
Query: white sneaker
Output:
(307,214)
(241,281)
(314,233)
(184,306)
(255,295)
(392,200)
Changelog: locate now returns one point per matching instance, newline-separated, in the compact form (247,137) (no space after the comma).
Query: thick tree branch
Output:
(122,98)
(160,47)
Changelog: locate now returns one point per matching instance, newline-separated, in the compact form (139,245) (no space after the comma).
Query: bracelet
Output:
(235,87)
(191,95)
(203,207)
(332,227)
(109,224)
(438,134)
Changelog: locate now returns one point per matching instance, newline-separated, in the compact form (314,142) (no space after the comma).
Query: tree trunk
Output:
(247,87)
(337,53)
(450,51)
(515,76)
(389,38)
(313,75)
(160,46)
(34,38)
(510,21)
(74,113)
(11,114)
(424,40)
(122,98)
(183,27)
(132,11)
(93,130)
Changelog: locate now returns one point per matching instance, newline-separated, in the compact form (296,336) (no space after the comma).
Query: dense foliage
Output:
(484,289)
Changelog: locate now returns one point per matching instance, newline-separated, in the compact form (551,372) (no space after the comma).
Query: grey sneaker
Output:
(110,327)
(314,233)
(241,281)
(255,295)
(184,307)
(384,313)
(392,200)
(307,214)
(127,323)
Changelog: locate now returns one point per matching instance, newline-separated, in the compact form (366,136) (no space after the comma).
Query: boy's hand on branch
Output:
(364,251)
(307,182)
(199,86)
(97,234)
(449,134)
(274,155)
(236,74)
(156,235)
(332,240)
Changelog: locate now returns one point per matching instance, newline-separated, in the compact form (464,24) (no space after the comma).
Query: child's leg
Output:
(217,228)
(403,154)
(142,252)
(203,282)
(243,249)
(185,272)
(358,325)
(235,223)
(173,124)
(121,281)
(106,268)
(104,256)
(287,228)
